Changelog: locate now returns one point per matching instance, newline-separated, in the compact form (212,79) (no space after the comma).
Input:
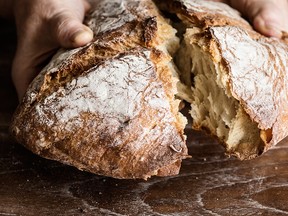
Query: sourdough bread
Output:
(109,107)
(237,77)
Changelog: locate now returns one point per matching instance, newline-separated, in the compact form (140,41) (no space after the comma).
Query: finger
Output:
(223,1)
(269,21)
(69,30)
(53,24)
(267,16)
(87,6)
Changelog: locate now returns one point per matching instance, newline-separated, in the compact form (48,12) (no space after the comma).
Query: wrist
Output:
(6,9)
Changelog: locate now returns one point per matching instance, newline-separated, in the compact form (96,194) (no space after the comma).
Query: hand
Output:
(269,17)
(42,27)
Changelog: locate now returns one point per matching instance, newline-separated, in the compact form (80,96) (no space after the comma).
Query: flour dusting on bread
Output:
(111,107)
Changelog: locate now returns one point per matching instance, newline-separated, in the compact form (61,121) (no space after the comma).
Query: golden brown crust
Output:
(257,78)
(203,13)
(255,67)
(108,107)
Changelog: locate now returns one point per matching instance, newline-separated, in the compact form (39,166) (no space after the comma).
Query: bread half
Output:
(237,76)
(109,107)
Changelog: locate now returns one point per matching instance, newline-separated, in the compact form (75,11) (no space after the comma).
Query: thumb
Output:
(69,31)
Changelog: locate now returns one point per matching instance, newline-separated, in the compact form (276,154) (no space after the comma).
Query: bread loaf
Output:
(109,107)
(238,77)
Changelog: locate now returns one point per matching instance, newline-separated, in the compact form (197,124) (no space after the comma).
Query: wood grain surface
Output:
(209,183)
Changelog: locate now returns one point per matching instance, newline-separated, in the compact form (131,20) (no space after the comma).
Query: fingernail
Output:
(82,37)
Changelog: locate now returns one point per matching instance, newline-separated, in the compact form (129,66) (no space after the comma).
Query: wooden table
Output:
(209,183)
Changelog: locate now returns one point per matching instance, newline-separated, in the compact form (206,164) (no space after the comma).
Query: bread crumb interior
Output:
(212,107)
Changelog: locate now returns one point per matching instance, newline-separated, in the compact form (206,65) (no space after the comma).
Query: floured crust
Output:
(203,13)
(257,72)
(109,107)
(249,68)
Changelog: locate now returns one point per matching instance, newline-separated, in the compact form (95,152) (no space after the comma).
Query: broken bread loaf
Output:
(237,76)
(109,107)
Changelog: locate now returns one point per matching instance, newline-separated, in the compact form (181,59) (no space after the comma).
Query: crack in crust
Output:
(109,107)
